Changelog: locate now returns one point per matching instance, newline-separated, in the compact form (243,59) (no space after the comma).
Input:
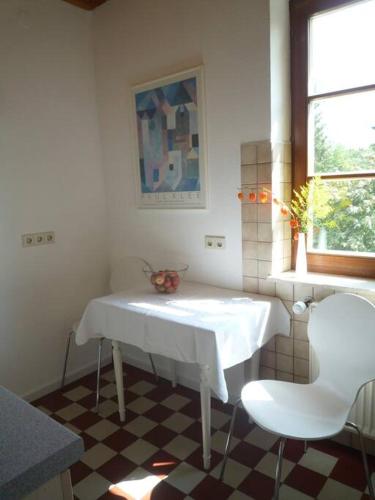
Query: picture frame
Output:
(170,141)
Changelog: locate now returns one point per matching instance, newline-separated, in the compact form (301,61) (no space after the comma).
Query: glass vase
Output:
(301,260)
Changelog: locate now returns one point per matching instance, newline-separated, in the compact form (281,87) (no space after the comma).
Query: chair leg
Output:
(278,469)
(66,357)
(98,374)
(229,439)
(364,458)
(304,446)
(153,368)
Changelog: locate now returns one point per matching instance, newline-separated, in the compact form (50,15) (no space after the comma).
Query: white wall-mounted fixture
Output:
(214,242)
(34,239)
(301,306)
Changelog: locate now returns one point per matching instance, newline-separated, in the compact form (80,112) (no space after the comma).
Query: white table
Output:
(214,327)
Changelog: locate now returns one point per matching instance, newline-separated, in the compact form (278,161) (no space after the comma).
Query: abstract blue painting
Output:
(170,152)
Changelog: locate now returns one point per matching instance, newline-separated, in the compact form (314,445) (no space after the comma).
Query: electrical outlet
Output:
(27,240)
(39,239)
(36,239)
(50,237)
(214,242)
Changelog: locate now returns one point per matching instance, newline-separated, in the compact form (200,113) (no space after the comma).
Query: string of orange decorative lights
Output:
(252,196)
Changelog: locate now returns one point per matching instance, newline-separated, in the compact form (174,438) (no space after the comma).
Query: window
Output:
(333,116)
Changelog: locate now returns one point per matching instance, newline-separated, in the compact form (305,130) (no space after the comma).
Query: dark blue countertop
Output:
(33,447)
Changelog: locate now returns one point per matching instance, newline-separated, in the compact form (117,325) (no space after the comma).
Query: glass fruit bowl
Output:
(165,280)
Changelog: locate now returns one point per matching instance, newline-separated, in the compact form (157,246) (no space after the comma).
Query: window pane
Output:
(350,227)
(342,48)
(342,134)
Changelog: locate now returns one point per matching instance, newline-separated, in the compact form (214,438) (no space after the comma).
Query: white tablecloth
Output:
(201,324)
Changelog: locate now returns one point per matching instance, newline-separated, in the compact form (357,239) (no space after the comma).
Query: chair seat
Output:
(298,411)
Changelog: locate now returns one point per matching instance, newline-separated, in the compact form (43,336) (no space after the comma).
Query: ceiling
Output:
(86,4)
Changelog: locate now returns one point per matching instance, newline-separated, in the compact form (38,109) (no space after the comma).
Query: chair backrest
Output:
(127,272)
(342,332)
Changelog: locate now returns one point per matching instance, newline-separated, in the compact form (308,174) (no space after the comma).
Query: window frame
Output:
(300,13)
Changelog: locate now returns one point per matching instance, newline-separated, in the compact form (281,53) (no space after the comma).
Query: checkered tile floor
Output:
(157,453)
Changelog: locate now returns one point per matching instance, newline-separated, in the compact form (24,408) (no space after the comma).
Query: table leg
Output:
(66,485)
(117,362)
(173,366)
(206,415)
(252,371)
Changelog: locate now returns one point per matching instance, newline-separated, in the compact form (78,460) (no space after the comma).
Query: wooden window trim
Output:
(300,12)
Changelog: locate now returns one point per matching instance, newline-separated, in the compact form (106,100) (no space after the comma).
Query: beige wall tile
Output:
(267,373)
(301,380)
(287,172)
(248,154)
(249,174)
(278,151)
(288,304)
(301,367)
(287,152)
(277,250)
(287,232)
(284,290)
(304,317)
(264,232)
(287,249)
(302,291)
(264,268)
(264,251)
(249,249)
(264,152)
(250,284)
(264,212)
(284,345)
(267,287)
(278,231)
(277,266)
(264,173)
(249,212)
(268,358)
(271,345)
(300,331)
(286,264)
(250,268)
(249,231)
(284,363)
(301,349)
(287,191)
(285,377)
(321,292)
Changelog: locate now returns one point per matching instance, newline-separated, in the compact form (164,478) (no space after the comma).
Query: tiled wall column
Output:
(266,237)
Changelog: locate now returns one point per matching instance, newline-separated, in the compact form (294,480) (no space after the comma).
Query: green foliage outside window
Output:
(350,225)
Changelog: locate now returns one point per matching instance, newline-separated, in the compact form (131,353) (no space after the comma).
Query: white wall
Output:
(280,70)
(139,40)
(50,179)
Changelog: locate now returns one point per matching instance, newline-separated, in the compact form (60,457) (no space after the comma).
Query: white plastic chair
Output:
(342,332)
(126,273)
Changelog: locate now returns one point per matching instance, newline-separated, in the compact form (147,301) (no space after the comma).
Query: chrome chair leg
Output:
(229,439)
(153,368)
(305,446)
(364,458)
(66,357)
(98,374)
(279,468)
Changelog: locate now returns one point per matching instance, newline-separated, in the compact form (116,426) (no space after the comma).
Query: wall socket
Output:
(214,242)
(36,239)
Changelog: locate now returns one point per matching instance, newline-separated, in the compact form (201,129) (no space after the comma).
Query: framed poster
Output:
(170,141)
